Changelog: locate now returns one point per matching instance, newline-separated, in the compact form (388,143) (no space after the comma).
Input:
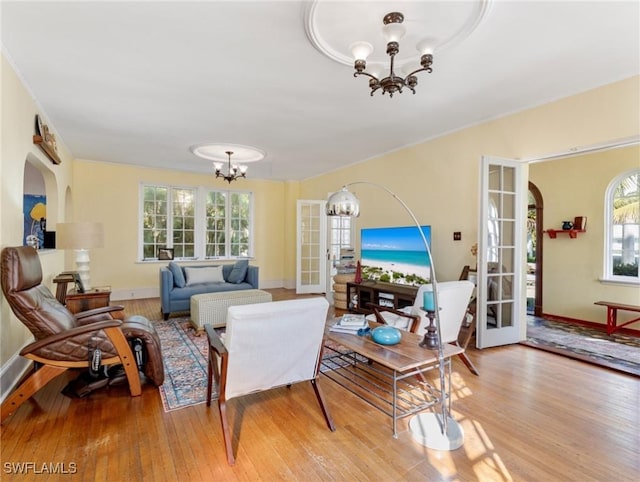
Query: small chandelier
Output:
(393,31)
(233,172)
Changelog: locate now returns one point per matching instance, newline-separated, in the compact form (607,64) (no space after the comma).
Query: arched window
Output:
(622,221)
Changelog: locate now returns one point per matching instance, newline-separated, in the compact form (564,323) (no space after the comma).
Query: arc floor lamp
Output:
(437,430)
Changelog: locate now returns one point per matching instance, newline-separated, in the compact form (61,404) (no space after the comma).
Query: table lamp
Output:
(82,237)
(435,430)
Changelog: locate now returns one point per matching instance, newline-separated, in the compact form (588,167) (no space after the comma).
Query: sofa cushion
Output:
(211,274)
(178,275)
(239,271)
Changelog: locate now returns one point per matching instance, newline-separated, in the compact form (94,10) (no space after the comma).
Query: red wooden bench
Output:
(612,314)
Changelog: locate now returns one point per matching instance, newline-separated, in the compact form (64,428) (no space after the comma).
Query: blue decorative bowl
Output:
(386,335)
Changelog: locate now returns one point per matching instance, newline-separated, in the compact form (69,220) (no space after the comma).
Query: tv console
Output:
(384,294)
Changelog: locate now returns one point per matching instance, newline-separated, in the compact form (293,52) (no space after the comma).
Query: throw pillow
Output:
(239,271)
(204,275)
(178,275)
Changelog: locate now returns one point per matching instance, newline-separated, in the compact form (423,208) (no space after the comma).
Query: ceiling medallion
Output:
(221,153)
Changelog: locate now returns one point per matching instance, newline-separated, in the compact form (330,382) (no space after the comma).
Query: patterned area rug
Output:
(185,363)
(617,351)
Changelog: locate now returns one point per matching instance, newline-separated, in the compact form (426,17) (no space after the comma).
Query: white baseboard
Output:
(289,284)
(134,293)
(142,293)
(271,284)
(11,372)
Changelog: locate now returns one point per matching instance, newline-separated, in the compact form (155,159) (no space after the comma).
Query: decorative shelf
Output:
(48,149)
(573,233)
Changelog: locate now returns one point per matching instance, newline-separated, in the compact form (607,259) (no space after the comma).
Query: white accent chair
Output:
(265,346)
(453,299)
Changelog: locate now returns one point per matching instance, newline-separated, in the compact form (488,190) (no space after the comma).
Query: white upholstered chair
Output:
(265,346)
(453,299)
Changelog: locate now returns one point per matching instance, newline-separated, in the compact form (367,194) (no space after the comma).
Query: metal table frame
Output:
(369,371)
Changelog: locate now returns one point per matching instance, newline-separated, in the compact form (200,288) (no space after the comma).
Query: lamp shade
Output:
(361,50)
(393,32)
(84,235)
(343,203)
(425,46)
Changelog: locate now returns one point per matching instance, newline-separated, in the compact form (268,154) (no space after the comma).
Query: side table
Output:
(89,300)
(62,280)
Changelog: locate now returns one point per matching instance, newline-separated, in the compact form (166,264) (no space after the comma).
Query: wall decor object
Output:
(49,240)
(34,207)
(165,254)
(580,223)
(46,140)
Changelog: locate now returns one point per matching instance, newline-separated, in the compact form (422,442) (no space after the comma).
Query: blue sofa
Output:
(176,291)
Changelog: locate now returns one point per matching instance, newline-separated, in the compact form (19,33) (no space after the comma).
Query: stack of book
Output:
(350,323)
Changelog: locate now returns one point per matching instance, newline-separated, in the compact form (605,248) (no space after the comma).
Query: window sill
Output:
(619,282)
(193,261)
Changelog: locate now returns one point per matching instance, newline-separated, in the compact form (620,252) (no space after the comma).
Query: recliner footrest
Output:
(140,327)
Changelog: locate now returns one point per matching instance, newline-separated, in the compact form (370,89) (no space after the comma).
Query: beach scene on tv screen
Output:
(395,255)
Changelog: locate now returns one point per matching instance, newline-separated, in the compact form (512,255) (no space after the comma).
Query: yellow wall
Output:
(18,111)
(572,267)
(109,193)
(439,178)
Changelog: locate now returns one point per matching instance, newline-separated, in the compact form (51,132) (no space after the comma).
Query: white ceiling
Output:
(141,82)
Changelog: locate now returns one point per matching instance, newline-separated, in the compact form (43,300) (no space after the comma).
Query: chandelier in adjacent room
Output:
(221,154)
(233,171)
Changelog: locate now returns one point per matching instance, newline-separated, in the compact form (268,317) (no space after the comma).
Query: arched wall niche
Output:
(40,180)
(68,205)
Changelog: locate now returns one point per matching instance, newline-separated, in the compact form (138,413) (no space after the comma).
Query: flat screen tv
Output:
(395,255)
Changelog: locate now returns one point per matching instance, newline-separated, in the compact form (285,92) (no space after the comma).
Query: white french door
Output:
(311,247)
(501,310)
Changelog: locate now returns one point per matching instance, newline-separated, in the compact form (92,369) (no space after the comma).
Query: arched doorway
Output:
(534,251)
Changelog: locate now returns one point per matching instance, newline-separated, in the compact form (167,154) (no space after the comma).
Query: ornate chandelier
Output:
(393,31)
(233,172)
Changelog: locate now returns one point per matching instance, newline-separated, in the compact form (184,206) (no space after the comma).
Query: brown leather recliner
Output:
(63,340)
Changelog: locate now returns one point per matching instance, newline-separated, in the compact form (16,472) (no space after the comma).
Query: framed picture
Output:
(165,254)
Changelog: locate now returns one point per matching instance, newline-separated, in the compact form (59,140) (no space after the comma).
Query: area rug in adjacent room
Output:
(617,351)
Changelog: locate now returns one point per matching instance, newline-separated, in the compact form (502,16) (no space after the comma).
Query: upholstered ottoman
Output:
(211,308)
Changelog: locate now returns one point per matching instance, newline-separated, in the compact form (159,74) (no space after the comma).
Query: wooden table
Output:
(387,377)
(89,300)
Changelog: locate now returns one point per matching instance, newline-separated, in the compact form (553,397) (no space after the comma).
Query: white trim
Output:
(607,265)
(575,151)
(12,372)
(134,293)
(620,282)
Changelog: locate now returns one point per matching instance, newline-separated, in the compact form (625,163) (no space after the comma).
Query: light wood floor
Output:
(530,415)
